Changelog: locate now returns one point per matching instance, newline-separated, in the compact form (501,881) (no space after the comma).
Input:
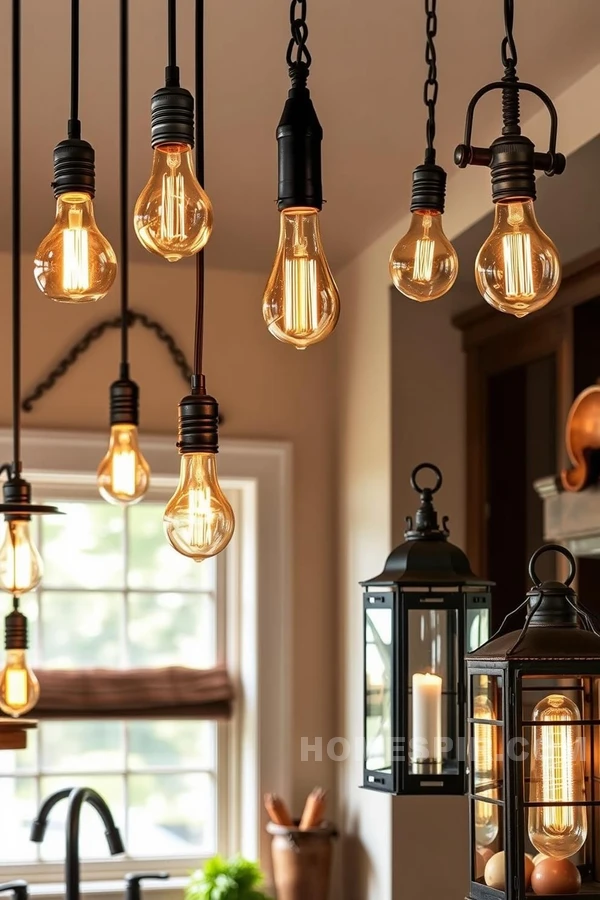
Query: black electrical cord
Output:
(509,48)
(172,33)
(16,234)
(124,163)
(431,88)
(74,126)
(198,376)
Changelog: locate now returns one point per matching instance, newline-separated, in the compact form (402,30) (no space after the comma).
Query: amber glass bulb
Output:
(517,269)
(75,263)
(301,303)
(21,566)
(19,688)
(173,215)
(198,519)
(557,776)
(424,264)
(484,762)
(123,475)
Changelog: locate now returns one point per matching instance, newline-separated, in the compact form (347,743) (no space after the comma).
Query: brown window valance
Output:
(169,693)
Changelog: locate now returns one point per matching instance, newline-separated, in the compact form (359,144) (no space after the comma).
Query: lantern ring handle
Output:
(413,478)
(557,548)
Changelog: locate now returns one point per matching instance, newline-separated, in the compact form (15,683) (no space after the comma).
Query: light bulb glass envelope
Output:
(19,687)
(301,303)
(557,775)
(75,263)
(123,475)
(424,264)
(21,566)
(484,761)
(199,521)
(173,215)
(518,268)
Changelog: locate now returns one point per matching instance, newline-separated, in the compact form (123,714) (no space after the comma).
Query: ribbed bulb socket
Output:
(513,168)
(198,424)
(74,168)
(15,631)
(124,402)
(428,188)
(172,116)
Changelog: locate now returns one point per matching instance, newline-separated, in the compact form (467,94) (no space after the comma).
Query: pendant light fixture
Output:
(301,303)
(173,216)
(74,263)
(518,268)
(124,475)
(424,264)
(20,562)
(198,519)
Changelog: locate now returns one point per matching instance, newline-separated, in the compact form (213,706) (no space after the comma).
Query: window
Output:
(111,606)
(116,595)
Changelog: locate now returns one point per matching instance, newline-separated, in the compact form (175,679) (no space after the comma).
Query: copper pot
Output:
(302,861)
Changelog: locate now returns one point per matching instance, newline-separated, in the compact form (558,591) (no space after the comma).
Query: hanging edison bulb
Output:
(486,814)
(301,304)
(199,521)
(173,215)
(518,268)
(21,566)
(424,264)
(19,687)
(123,475)
(75,263)
(557,776)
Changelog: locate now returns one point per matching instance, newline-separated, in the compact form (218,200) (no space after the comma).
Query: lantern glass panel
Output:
(433,674)
(478,628)
(378,689)
(557,768)
(481,853)
(485,742)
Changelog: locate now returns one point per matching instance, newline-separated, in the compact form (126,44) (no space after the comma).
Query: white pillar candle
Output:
(426,717)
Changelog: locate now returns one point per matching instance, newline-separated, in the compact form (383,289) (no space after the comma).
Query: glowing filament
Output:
(200,517)
(76,263)
(123,472)
(425,247)
(16,687)
(172,220)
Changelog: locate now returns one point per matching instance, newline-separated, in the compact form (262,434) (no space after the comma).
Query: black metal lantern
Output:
(534,720)
(421,615)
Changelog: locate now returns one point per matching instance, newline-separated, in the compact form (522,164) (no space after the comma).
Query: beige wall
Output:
(265,390)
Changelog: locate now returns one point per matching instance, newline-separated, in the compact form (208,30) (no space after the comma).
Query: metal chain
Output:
(431,88)
(299,36)
(509,48)
(93,335)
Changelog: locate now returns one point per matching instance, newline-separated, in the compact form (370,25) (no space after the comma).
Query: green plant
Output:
(226,879)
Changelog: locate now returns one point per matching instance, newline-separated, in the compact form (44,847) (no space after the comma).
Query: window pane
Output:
(82,746)
(92,841)
(171,630)
(81,630)
(84,548)
(153,563)
(188,745)
(20,761)
(171,815)
(19,806)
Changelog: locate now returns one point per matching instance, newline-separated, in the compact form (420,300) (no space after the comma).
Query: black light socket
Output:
(172,116)
(299,137)
(74,168)
(15,631)
(16,490)
(124,402)
(428,188)
(198,424)
(513,168)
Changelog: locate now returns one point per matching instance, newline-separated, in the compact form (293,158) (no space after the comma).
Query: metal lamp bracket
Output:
(551,163)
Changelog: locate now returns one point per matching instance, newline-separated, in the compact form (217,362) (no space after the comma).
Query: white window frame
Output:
(259,750)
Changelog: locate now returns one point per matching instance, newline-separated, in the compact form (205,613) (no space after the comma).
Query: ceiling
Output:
(366,82)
